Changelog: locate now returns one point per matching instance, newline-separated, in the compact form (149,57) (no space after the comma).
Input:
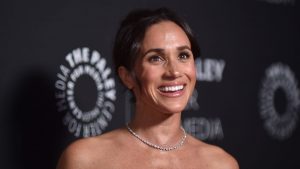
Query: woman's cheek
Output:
(151,73)
(190,71)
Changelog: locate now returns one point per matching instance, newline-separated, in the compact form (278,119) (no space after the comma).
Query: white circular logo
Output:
(80,121)
(279,77)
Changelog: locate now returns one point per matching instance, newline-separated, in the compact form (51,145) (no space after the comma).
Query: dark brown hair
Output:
(132,31)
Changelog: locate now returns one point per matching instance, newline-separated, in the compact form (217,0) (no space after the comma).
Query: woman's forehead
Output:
(165,34)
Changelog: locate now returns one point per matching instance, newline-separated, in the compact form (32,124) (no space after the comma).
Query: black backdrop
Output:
(246,99)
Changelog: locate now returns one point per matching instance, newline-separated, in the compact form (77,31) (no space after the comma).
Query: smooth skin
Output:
(162,81)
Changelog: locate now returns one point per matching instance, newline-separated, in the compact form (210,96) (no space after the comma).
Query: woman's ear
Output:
(126,77)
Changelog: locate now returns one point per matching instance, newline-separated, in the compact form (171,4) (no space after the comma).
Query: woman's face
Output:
(165,71)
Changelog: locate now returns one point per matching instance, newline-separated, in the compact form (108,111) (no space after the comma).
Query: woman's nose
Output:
(172,69)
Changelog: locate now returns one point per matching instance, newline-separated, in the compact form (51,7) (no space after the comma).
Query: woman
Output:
(154,56)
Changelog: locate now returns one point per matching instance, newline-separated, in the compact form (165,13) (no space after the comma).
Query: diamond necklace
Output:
(162,148)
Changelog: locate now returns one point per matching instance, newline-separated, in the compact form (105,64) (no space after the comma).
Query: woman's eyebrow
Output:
(156,50)
(160,50)
(183,47)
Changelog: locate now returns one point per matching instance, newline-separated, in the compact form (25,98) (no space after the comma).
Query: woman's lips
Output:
(172,91)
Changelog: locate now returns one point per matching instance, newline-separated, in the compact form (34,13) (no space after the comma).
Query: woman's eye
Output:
(184,56)
(154,59)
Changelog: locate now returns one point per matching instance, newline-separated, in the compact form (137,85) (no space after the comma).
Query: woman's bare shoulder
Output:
(88,153)
(214,156)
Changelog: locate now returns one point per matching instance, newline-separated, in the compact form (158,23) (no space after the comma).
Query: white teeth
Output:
(171,88)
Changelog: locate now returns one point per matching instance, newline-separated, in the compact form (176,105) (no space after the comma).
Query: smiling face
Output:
(163,78)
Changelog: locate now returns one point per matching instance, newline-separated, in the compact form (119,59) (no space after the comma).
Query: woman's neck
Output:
(157,127)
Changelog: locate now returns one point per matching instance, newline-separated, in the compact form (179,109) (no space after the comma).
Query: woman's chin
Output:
(174,109)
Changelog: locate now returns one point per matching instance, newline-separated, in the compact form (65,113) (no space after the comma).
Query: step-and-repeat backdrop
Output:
(57,81)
